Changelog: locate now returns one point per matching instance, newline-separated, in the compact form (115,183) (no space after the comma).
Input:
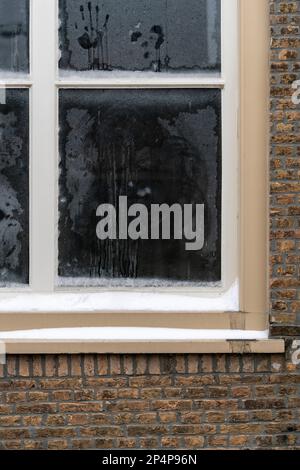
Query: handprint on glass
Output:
(95,38)
(140,35)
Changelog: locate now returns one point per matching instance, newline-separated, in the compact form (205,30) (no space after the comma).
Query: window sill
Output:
(130,300)
(139,340)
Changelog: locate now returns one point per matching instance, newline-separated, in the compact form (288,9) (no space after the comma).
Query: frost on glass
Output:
(155,147)
(14,36)
(140,35)
(14,187)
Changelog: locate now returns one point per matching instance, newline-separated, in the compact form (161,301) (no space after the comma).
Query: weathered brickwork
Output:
(185,401)
(285,169)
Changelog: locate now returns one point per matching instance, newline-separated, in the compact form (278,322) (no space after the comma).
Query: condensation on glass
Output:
(14,187)
(14,36)
(160,146)
(140,35)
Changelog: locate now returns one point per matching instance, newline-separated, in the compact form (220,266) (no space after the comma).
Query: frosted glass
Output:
(14,187)
(154,147)
(14,36)
(141,35)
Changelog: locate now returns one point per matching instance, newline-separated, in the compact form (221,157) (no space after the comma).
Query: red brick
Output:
(76,365)
(62,395)
(115,364)
(171,405)
(97,418)
(37,366)
(101,431)
(214,416)
(193,363)
(194,442)
(50,432)
(50,365)
(180,364)
(241,392)
(15,397)
(32,445)
(154,364)
(149,443)
(128,364)
(36,408)
(194,380)
(32,420)
(63,383)
(216,404)
(220,363)
(150,393)
(57,444)
(11,365)
(150,381)
(106,382)
(217,441)
(81,444)
(102,364)
(147,430)
(141,364)
(38,396)
(77,419)
(170,442)
(63,366)
(168,417)
(10,421)
(125,443)
(14,433)
(89,365)
(102,444)
(234,364)
(80,407)
(126,405)
(55,420)
(241,428)
(238,441)
(207,365)
(24,366)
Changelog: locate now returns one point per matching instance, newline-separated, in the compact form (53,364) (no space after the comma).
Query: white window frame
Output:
(44,82)
(237,310)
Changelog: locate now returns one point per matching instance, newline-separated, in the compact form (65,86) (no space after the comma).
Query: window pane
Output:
(14,187)
(157,35)
(14,35)
(152,147)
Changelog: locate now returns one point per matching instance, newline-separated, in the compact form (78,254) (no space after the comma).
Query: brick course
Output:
(185,401)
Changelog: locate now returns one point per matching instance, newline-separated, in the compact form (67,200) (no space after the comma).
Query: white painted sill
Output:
(123,340)
(131,334)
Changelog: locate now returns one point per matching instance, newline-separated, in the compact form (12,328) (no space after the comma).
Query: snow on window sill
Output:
(121,301)
(134,334)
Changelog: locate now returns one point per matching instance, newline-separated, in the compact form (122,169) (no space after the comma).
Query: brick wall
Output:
(171,401)
(285,169)
(185,401)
